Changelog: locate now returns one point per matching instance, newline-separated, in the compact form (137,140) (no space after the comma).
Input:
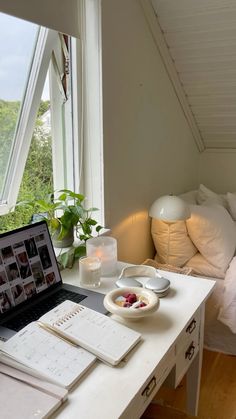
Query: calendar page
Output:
(46,355)
(104,337)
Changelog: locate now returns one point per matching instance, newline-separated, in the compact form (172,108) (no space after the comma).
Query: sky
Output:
(16,47)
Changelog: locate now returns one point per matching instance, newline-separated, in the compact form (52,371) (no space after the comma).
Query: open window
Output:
(27,57)
(73,67)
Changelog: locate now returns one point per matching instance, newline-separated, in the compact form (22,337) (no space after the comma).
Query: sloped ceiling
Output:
(201,39)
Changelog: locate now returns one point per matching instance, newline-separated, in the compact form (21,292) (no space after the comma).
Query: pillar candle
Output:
(105,248)
(90,271)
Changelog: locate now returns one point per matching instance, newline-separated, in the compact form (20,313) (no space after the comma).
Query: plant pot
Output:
(66,241)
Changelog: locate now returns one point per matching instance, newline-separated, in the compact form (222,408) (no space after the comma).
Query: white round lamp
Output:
(170,208)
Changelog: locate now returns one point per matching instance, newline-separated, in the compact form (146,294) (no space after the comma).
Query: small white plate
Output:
(131,312)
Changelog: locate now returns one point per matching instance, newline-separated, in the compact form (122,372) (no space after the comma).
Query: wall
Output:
(53,14)
(148,147)
(217,170)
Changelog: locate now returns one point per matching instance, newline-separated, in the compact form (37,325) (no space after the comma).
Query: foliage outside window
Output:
(38,175)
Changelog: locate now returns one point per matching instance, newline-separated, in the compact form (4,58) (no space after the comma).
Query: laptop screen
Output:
(27,265)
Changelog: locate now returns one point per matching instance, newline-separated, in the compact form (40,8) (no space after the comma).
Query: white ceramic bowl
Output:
(131,313)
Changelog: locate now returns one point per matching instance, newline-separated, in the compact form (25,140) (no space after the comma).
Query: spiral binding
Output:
(68,316)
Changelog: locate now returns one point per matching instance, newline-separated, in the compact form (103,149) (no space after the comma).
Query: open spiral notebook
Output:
(66,341)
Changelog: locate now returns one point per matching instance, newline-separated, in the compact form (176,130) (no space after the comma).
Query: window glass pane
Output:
(17,44)
(38,174)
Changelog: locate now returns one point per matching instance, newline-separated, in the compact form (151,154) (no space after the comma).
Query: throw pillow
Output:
(175,249)
(213,232)
(202,267)
(231,200)
(204,194)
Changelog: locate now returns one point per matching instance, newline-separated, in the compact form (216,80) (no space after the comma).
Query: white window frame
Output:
(26,122)
(61,120)
(79,149)
(92,179)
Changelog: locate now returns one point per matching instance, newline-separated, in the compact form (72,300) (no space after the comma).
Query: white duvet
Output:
(227,312)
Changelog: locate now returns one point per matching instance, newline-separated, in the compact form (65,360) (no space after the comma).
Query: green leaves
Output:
(64,210)
(70,194)
(38,174)
(68,258)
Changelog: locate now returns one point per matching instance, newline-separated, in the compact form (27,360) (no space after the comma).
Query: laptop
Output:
(30,280)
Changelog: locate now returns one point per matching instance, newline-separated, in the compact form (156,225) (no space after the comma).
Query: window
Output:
(74,67)
(16,52)
(19,115)
(29,53)
(37,179)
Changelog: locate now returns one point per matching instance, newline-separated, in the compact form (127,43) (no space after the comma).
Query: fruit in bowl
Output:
(132,302)
(129,300)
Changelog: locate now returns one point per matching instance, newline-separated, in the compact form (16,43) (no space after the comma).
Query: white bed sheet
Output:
(218,337)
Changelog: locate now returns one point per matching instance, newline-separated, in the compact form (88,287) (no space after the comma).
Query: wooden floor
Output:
(217,394)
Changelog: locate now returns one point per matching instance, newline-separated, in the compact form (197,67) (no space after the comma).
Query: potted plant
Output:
(65,215)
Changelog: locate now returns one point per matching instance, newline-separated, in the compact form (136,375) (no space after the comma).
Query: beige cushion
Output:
(213,232)
(231,200)
(202,267)
(181,248)
(204,194)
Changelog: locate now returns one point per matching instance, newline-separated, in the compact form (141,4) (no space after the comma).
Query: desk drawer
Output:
(190,333)
(150,388)
(184,359)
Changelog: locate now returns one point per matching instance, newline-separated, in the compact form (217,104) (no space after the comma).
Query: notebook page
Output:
(48,355)
(104,337)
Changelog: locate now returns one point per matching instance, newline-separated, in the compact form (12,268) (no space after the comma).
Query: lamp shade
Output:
(170,208)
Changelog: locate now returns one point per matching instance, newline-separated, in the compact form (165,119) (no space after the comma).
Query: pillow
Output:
(213,232)
(202,267)
(205,194)
(227,313)
(231,200)
(181,248)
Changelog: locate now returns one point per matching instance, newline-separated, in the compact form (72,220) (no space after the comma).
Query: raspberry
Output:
(126,294)
(131,298)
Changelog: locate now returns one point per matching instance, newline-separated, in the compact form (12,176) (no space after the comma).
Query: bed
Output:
(206,243)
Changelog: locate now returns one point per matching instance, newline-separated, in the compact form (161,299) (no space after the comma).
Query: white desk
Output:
(125,391)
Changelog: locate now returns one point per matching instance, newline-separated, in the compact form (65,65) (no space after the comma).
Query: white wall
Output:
(217,170)
(54,14)
(148,147)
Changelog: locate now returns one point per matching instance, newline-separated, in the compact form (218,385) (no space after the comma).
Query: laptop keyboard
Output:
(33,313)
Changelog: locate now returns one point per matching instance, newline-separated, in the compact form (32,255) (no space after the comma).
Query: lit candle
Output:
(90,271)
(106,249)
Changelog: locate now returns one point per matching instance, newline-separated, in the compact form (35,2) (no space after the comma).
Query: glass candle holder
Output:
(90,271)
(106,249)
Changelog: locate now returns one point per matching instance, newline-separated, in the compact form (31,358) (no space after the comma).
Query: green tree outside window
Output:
(38,174)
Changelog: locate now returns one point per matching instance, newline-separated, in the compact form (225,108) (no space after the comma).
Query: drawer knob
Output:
(190,351)
(191,326)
